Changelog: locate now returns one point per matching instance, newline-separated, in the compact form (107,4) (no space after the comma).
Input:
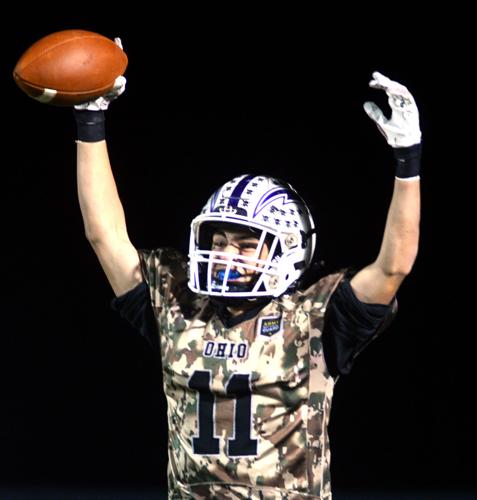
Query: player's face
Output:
(237,243)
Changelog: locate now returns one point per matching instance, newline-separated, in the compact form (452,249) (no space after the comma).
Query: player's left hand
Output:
(402,129)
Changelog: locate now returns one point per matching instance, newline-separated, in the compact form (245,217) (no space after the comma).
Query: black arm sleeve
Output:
(135,307)
(349,326)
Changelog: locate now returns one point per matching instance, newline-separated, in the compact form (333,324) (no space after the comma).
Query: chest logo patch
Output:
(269,326)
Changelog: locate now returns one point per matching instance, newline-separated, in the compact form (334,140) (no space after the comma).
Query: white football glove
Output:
(102,103)
(402,129)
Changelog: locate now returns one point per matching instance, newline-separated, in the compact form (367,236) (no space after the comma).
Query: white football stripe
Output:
(47,96)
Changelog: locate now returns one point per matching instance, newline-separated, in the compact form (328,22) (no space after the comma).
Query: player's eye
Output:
(247,246)
(219,244)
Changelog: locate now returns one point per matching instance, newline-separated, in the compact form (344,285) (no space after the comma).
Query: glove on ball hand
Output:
(102,103)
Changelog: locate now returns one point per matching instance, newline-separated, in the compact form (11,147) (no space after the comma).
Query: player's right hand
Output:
(102,102)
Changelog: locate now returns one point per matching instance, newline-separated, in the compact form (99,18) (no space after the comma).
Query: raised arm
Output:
(101,208)
(379,281)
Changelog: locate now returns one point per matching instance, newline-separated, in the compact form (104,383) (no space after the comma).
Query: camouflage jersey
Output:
(248,406)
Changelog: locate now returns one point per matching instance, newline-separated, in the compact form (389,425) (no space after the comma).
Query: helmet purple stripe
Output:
(238,190)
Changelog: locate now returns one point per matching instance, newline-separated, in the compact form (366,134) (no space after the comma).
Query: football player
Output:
(250,355)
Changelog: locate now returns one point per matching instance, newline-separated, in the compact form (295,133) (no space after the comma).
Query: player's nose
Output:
(232,255)
(232,251)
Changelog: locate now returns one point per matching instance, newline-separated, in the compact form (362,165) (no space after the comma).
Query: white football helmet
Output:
(277,215)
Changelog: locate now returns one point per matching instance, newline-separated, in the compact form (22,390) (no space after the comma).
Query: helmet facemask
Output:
(242,273)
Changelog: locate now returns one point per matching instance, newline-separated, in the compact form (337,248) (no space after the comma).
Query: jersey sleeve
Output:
(350,325)
(165,272)
(135,307)
(145,307)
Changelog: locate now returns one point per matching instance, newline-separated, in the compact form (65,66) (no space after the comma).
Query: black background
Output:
(208,98)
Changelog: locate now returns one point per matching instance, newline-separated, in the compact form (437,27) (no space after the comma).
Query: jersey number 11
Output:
(238,387)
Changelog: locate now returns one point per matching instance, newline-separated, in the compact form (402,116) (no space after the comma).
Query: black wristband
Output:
(89,125)
(408,161)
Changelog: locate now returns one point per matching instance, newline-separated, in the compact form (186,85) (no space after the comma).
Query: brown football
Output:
(69,67)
